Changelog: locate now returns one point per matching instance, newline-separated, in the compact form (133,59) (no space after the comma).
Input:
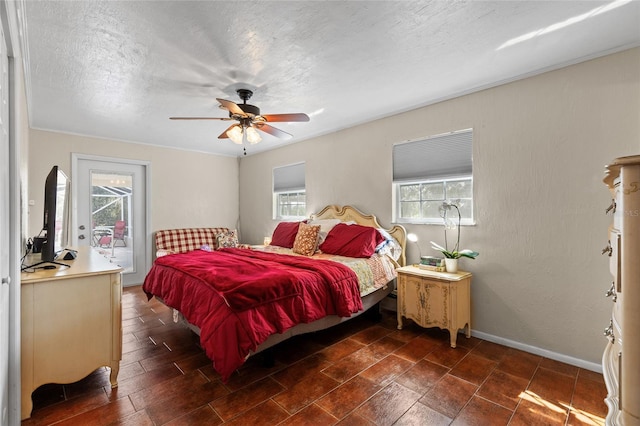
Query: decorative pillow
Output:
(227,239)
(285,234)
(390,246)
(325,226)
(306,241)
(352,241)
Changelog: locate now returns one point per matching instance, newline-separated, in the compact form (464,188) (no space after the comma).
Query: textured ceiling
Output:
(119,69)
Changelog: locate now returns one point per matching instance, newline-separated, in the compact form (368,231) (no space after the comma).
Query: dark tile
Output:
(184,402)
(161,392)
(251,371)
(139,418)
(447,356)
(103,415)
(351,365)
(267,413)
(340,401)
(503,389)
(560,367)
(295,349)
(519,363)
(481,412)
(490,350)
(588,397)
(200,416)
(387,369)
(246,398)
(591,375)
(355,420)
(418,348)
(385,346)
(409,332)
(388,376)
(341,349)
(139,382)
(422,376)
(553,387)
(534,411)
(94,382)
(193,362)
(301,369)
(371,334)
(67,409)
(467,343)
(312,415)
(305,392)
(449,395)
(388,405)
(473,368)
(420,414)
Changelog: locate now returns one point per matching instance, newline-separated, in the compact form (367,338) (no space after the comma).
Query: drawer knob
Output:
(612,292)
(611,208)
(608,332)
(608,249)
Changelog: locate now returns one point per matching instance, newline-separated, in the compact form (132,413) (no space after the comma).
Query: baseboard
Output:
(592,366)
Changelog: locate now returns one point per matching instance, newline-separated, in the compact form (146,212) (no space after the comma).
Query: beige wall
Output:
(539,150)
(188,189)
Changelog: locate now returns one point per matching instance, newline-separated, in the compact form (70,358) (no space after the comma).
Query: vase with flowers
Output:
(451,256)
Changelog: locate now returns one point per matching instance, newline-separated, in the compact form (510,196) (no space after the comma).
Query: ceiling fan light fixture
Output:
(235,134)
(252,135)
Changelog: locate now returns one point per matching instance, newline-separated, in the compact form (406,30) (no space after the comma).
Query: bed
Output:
(242,301)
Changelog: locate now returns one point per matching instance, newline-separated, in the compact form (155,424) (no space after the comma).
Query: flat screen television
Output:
(55,225)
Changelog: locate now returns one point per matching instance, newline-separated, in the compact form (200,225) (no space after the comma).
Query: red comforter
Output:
(239,297)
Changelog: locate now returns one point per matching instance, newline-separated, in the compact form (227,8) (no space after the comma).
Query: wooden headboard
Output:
(349,213)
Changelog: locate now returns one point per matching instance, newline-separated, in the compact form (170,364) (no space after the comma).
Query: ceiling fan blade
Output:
(232,107)
(273,131)
(224,135)
(286,117)
(200,118)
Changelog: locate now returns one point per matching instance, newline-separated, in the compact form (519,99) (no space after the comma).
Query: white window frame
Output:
(280,206)
(435,219)
(289,182)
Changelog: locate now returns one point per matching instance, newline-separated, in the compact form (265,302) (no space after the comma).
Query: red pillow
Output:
(351,240)
(285,234)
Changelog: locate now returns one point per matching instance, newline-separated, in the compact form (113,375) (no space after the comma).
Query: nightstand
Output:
(435,299)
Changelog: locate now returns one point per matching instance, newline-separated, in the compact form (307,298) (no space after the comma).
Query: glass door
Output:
(111,213)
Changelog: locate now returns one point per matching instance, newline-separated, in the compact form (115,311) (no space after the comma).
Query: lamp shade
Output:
(252,135)
(235,134)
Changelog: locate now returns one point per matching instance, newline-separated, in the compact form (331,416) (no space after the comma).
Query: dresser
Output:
(435,299)
(621,358)
(71,323)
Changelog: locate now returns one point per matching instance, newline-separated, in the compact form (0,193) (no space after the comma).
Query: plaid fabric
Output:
(187,239)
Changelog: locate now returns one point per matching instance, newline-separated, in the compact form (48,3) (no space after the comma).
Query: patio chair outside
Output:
(118,232)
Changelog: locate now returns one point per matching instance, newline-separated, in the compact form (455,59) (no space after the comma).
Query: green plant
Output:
(456,253)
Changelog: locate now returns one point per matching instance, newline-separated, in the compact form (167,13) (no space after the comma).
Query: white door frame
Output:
(11,413)
(75,158)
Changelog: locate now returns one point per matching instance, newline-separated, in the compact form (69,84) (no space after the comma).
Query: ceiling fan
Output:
(248,120)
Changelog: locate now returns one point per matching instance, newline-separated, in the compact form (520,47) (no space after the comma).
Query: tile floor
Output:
(363,372)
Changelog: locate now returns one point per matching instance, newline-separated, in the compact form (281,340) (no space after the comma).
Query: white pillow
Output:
(325,226)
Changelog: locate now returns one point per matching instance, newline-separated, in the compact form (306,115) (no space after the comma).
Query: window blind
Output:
(289,178)
(437,157)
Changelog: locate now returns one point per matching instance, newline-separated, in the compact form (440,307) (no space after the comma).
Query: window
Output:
(428,172)
(289,197)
